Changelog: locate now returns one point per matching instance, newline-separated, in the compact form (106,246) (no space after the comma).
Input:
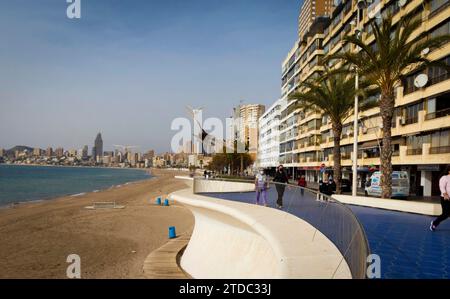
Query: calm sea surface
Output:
(27,183)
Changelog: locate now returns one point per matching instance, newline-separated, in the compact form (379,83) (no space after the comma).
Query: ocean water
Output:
(27,183)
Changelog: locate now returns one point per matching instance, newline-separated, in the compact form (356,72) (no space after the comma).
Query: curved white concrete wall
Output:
(238,240)
(205,186)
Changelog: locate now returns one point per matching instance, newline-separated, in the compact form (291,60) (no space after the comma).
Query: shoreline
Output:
(76,166)
(14,204)
(38,236)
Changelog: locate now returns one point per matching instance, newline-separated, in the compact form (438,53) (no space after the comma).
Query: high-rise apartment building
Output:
(2,152)
(310,11)
(97,150)
(245,120)
(59,152)
(84,152)
(421,127)
(269,136)
(37,152)
(49,152)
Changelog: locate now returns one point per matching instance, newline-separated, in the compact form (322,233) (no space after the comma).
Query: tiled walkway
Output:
(408,249)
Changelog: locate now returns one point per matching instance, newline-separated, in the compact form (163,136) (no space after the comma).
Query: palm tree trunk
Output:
(337,131)
(387,105)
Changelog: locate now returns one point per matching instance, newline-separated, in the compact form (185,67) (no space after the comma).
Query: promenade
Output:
(407,248)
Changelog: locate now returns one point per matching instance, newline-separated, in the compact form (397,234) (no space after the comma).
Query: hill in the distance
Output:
(19,148)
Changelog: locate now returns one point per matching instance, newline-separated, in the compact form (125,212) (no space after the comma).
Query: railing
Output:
(440,150)
(414,151)
(412,88)
(437,114)
(346,156)
(329,217)
(411,120)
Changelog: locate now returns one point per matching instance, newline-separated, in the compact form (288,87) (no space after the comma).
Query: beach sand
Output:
(37,237)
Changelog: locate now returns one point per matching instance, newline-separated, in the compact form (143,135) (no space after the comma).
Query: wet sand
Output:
(37,237)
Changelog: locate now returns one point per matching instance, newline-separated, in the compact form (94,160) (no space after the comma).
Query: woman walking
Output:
(444,186)
(281,179)
(261,187)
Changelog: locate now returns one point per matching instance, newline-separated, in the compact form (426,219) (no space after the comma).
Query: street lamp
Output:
(360,5)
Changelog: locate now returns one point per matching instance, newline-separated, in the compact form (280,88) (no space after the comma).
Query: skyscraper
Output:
(84,153)
(97,151)
(245,118)
(49,152)
(311,9)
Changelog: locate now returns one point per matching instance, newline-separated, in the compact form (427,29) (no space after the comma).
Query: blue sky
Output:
(127,68)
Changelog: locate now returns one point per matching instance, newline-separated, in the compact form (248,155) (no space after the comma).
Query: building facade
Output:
(97,150)
(245,119)
(421,130)
(310,10)
(269,136)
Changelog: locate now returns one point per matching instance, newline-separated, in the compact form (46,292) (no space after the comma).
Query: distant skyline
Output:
(128,68)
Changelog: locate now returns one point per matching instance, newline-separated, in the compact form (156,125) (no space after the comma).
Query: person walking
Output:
(444,186)
(281,179)
(261,187)
(302,184)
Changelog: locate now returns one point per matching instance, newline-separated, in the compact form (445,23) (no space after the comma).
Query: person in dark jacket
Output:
(281,179)
(302,184)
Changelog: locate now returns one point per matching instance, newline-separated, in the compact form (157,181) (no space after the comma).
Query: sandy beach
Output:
(37,237)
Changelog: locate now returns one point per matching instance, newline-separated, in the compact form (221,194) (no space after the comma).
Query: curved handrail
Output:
(332,218)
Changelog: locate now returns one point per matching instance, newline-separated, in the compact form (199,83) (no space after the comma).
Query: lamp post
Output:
(360,5)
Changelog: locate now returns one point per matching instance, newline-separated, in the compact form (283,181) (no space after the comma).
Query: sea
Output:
(23,183)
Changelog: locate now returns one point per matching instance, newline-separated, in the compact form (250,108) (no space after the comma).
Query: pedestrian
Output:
(281,180)
(331,187)
(302,184)
(444,186)
(261,183)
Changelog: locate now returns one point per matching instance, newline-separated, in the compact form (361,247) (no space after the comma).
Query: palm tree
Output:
(332,93)
(397,50)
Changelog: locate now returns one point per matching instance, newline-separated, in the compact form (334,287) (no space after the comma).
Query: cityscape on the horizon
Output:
(318,148)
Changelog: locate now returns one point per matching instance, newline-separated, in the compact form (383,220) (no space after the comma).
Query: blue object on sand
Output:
(158,201)
(166,202)
(172,233)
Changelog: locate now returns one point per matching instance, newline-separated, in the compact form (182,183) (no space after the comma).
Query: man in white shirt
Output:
(444,186)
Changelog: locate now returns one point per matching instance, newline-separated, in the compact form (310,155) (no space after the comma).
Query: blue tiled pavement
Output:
(408,249)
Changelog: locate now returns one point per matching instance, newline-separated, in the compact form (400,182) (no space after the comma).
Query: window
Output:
(437,5)
(415,144)
(411,113)
(438,106)
(438,74)
(441,29)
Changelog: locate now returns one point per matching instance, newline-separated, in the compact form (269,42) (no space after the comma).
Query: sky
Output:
(127,68)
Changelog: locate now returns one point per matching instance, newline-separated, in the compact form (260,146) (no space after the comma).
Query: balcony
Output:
(439,9)
(439,150)
(414,151)
(432,81)
(346,156)
(438,114)
(411,120)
